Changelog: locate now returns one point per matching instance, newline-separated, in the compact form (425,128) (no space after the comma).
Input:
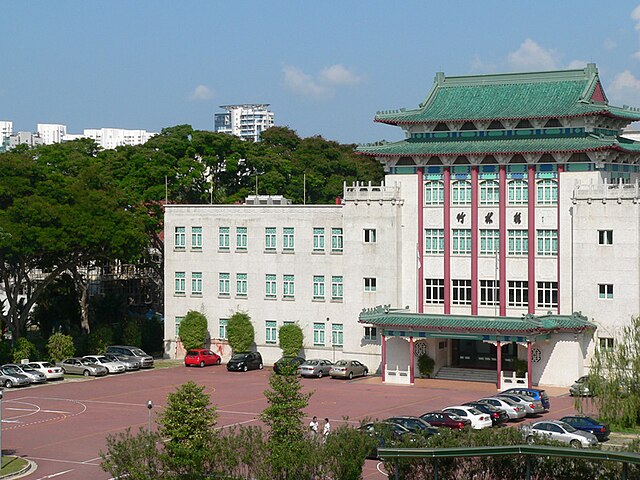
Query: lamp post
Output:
(149,407)
(1,395)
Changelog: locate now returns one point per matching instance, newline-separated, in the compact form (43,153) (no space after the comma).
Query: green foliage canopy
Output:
(240,332)
(60,346)
(193,330)
(291,339)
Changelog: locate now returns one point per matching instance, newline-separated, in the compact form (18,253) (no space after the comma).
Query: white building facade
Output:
(246,121)
(110,138)
(51,133)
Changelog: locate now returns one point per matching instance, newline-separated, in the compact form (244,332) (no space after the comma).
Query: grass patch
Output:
(634,430)
(168,363)
(12,464)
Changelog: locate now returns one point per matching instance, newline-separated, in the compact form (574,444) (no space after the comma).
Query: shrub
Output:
(152,335)
(24,349)
(60,346)
(100,338)
(193,330)
(291,339)
(240,333)
(132,333)
(425,365)
(5,352)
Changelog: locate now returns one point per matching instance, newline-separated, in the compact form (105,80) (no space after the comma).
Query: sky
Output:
(324,67)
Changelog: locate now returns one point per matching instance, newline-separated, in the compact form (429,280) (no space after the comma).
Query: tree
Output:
(60,346)
(24,349)
(613,379)
(240,332)
(134,457)
(345,452)
(291,339)
(193,330)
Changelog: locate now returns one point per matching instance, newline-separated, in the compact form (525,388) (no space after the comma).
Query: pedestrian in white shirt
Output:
(313,426)
(326,430)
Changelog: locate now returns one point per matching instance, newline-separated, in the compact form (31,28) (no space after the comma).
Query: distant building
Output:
(109,138)
(6,129)
(51,132)
(246,121)
(24,138)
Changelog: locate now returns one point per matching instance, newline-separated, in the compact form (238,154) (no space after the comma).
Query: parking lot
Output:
(62,426)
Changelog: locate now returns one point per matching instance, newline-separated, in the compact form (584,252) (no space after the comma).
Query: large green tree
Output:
(240,332)
(193,330)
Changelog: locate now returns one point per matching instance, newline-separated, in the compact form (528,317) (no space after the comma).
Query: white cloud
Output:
(609,44)
(321,86)
(576,64)
(625,81)
(339,75)
(478,65)
(635,15)
(201,92)
(636,55)
(531,56)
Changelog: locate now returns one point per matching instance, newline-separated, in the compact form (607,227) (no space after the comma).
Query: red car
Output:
(446,419)
(201,357)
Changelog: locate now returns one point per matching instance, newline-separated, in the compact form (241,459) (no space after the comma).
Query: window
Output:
(287,239)
(547,192)
(270,239)
(547,242)
(434,193)
(336,240)
(241,284)
(605,291)
(606,343)
(223,238)
(196,238)
(318,334)
(241,238)
(461,241)
(547,294)
(370,333)
(180,238)
(518,293)
(369,284)
(489,192)
(434,241)
(369,235)
(178,322)
(461,192)
(270,288)
(461,292)
(181,283)
(271,331)
(224,279)
(434,291)
(605,237)
(222,328)
(196,283)
(288,287)
(318,239)
(489,242)
(337,335)
(489,292)
(518,242)
(318,287)
(336,288)
(518,191)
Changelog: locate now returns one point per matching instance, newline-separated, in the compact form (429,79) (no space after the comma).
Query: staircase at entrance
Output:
(467,375)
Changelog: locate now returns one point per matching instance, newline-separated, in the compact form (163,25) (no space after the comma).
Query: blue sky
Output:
(325,67)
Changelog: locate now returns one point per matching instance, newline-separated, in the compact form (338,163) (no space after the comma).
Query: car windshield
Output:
(454,417)
(509,402)
(138,353)
(192,353)
(239,356)
(27,368)
(10,370)
(84,361)
(568,427)
(103,360)
(47,365)
(474,411)
(341,363)
(311,362)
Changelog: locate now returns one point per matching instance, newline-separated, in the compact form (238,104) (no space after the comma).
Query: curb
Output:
(28,469)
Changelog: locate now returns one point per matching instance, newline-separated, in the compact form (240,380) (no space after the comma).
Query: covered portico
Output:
(402,331)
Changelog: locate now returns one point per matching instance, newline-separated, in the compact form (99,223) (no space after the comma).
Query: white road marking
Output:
(379,464)
(35,411)
(55,474)
(63,461)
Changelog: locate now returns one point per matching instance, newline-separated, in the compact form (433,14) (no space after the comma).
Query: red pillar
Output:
(499,355)
(474,240)
(384,357)
(412,363)
(502,260)
(420,252)
(530,382)
(531,227)
(447,240)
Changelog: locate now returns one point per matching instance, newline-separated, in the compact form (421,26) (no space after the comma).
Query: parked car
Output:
(559,431)
(415,425)
(514,410)
(12,377)
(146,361)
(531,407)
(241,362)
(82,366)
(130,363)
(291,362)
(445,419)
(201,357)
(348,369)
(32,373)
(479,420)
(110,365)
(49,369)
(535,393)
(387,434)
(588,424)
(580,388)
(315,368)
(498,415)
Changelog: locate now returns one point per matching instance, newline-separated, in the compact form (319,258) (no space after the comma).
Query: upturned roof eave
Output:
(397,122)
(581,150)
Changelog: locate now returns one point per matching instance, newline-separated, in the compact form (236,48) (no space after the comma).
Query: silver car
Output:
(82,366)
(531,405)
(315,368)
(32,373)
(514,411)
(111,366)
(559,431)
(12,377)
(129,363)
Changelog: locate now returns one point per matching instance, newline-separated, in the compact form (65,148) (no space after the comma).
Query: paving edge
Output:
(26,470)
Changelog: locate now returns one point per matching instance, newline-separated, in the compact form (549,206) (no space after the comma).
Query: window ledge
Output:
(179,249)
(270,251)
(336,252)
(196,295)
(195,250)
(288,299)
(336,300)
(319,300)
(224,295)
(270,298)
(224,250)
(241,250)
(179,294)
(289,251)
(318,252)
(242,297)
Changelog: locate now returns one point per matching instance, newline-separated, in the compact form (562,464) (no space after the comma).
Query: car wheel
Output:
(244,369)
(320,374)
(201,363)
(260,367)
(366,372)
(350,375)
(218,361)
(575,444)
(530,440)
(85,373)
(8,383)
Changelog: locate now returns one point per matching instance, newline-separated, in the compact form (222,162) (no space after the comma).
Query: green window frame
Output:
(547,242)
(337,240)
(318,239)
(461,241)
(288,286)
(318,334)
(180,238)
(180,283)
(370,284)
(337,334)
(489,241)
(547,192)
(241,238)
(337,288)
(196,238)
(223,238)
(461,192)
(270,286)
(224,283)
(605,291)
(241,284)
(271,331)
(518,242)
(288,238)
(518,192)
(489,192)
(178,322)
(434,193)
(222,328)
(270,241)
(196,283)
(318,287)
(434,241)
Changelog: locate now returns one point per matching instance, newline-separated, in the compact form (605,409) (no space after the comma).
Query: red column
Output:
(420,252)
(530,381)
(447,240)
(560,170)
(499,359)
(531,224)
(384,357)
(412,362)
(502,219)
(474,240)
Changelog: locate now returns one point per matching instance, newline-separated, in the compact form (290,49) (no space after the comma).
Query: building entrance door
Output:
(478,354)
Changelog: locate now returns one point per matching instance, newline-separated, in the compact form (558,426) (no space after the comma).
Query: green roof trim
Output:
(511,96)
(441,323)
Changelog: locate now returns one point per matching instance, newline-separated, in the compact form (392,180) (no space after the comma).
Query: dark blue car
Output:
(535,393)
(588,424)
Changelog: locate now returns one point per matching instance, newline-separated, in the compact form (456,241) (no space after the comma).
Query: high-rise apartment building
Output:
(246,121)
(51,133)
(109,138)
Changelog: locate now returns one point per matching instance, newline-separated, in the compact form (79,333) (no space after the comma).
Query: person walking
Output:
(313,426)
(326,430)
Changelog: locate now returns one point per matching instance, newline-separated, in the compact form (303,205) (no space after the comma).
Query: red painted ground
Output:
(62,427)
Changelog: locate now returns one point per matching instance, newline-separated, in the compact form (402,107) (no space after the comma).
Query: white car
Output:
(514,410)
(478,419)
(49,369)
(110,365)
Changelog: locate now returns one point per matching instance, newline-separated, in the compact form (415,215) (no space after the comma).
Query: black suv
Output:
(241,362)
(146,361)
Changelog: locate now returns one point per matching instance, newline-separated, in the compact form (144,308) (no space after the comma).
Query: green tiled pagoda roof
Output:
(385,317)
(425,147)
(567,93)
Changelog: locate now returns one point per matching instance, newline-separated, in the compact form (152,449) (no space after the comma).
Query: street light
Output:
(1,395)
(149,406)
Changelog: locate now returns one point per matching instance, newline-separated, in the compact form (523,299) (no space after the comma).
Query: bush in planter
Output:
(520,367)
(425,365)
